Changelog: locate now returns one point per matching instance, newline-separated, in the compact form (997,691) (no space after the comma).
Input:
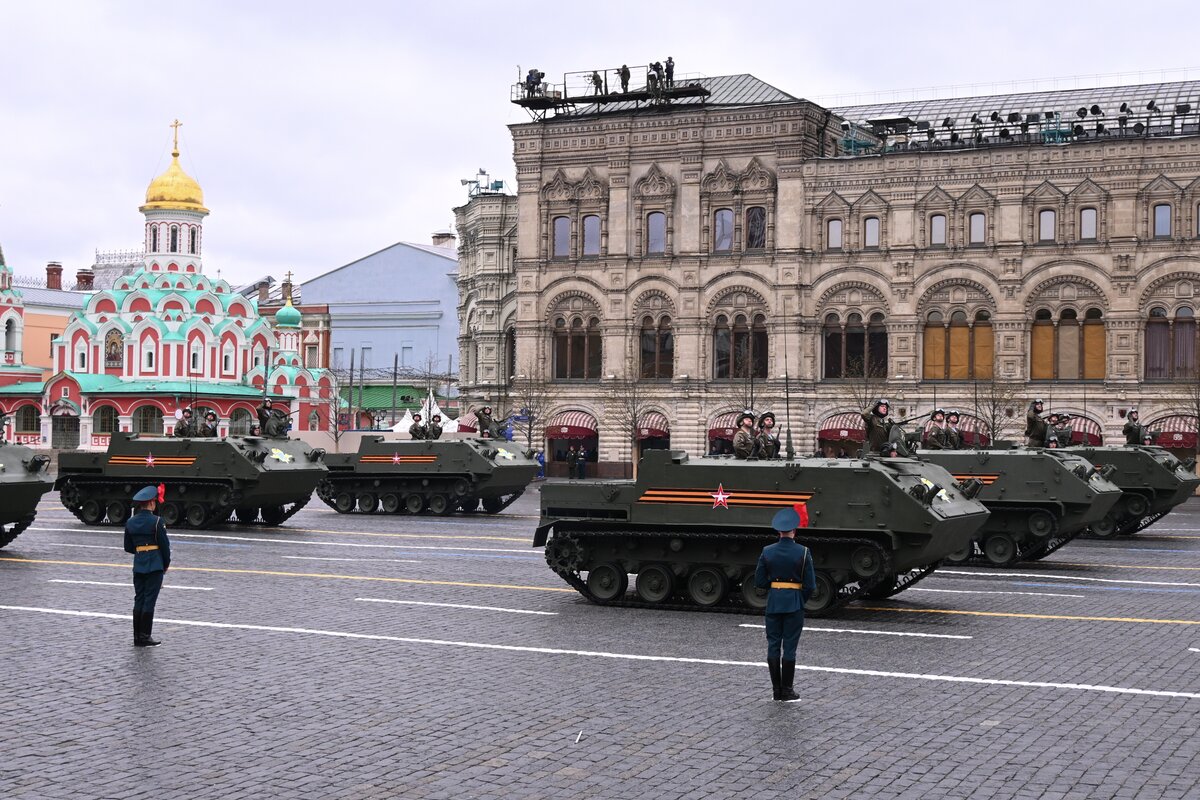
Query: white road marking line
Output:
(272,540)
(90,546)
(332,558)
(455,605)
(868,673)
(1054,577)
(980,591)
(130,585)
(808,628)
(1194,649)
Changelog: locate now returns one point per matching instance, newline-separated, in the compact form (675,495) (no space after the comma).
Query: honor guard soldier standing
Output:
(785,570)
(418,430)
(767,442)
(743,440)
(954,438)
(878,425)
(184,425)
(435,427)
(1035,426)
(146,538)
(1133,427)
(935,437)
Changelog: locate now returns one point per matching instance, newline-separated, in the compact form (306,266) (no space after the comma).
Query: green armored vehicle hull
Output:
(23,481)
(691,531)
(439,476)
(1152,481)
(1039,500)
(206,481)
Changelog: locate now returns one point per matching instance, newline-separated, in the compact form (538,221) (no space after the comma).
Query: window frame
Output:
(1095,237)
(1041,226)
(867,245)
(983,233)
(1154,219)
(945,232)
(830,247)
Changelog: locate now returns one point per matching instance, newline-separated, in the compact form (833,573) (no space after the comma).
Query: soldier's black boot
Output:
(776,679)
(147,626)
(137,629)
(787,693)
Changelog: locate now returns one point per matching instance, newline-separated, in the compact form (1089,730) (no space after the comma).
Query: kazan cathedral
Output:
(161,339)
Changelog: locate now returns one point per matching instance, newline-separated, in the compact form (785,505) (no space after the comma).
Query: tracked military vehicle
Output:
(1039,500)
(206,481)
(1152,481)
(23,481)
(436,477)
(691,531)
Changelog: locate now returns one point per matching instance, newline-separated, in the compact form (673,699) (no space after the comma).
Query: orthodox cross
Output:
(176,125)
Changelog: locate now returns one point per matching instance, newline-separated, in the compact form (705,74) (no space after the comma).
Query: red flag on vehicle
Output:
(162,494)
(802,510)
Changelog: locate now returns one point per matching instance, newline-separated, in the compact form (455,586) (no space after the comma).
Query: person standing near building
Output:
(624,73)
(785,570)
(572,462)
(1035,426)
(146,538)
(581,462)
(670,71)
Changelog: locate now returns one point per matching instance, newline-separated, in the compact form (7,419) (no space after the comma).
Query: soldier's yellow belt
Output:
(785,585)
(146,548)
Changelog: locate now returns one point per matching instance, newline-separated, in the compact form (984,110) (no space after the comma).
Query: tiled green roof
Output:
(27,387)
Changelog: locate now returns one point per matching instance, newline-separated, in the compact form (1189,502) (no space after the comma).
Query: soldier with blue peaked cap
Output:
(785,570)
(146,538)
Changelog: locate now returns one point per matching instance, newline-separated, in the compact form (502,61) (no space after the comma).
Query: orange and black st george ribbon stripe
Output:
(397,458)
(986,480)
(724,497)
(151,460)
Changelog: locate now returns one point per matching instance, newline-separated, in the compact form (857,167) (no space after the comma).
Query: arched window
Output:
(877,345)
(740,347)
(104,420)
(193,236)
(960,348)
(148,420)
(1069,349)
(10,335)
(1093,360)
(1171,344)
(937,230)
(977,229)
(723,231)
(856,348)
(656,233)
(834,348)
(153,238)
(1041,359)
(174,239)
(871,233)
(81,356)
(195,356)
(240,422)
(1046,225)
(833,234)
(562,237)
(1162,221)
(657,349)
(28,420)
(756,228)
(1087,224)
(148,355)
(577,349)
(591,235)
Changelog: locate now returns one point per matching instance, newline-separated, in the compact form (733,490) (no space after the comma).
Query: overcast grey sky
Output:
(323,131)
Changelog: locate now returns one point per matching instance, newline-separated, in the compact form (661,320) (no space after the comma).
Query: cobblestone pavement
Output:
(364,657)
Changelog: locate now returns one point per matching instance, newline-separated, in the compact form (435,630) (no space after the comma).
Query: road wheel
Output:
(196,515)
(866,562)
(1000,549)
(1136,505)
(824,596)
(170,513)
(368,503)
(246,514)
(1040,524)
(92,513)
(440,504)
(752,595)
(343,502)
(414,503)
(460,488)
(961,556)
(707,586)
(273,515)
(655,583)
(391,503)
(117,512)
(608,582)
(1105,528)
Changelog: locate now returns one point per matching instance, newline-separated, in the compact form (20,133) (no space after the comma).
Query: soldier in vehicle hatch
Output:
(418,430)
(935,436)
(1063,430)
(272,422)
(1133,429)
(743,440)
(1035,426)
(208,428)
(484,421)
(954,439)
(184,425)
(877,425)
(767,442)
(435,427)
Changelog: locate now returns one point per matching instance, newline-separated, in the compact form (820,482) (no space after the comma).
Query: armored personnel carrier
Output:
(1039,500)
(23,481)
(437,477)
(207,481)
(876,527)
(1152,482)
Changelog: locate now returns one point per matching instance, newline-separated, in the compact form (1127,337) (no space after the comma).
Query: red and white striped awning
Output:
(1086,431)
(653,425)
(843,427)
(571,425)
(724,426)
(468,423)
(1177,432)
(973,430)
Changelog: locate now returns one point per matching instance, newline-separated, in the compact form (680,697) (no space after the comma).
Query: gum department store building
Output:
(710,239)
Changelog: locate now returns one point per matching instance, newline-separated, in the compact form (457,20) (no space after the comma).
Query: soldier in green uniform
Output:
(1035,426)
(1062,430)
(954,437)
(435,427)
(184,426)
(785,570)
(208,428)
(1133,429)
(272,423)
(146,538)
(877,425)
(767,442)
(935,436)
(418,430)
(743,440)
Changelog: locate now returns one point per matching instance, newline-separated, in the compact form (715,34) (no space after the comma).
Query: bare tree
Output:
(531,394)
(865,384)
(997,406)
(625,402)
(1186,395)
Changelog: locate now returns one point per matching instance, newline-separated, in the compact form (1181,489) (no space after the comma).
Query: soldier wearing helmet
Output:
(877,425)
(1035,426)
(954,437)
(743,440)
(1134,430)
(935,435)
(767,441)
(435,427)
(418,430)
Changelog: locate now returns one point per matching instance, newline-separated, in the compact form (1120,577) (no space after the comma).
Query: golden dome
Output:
(174,189)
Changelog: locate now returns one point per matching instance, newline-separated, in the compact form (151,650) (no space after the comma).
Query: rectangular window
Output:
(366,358)
(723,231)
(562,237)
(756,228)
(195,360)
(1087,224)
(148,359)
(591,235)
(1042,352)
(935,352)
(937,230)
(871,232)
(310,356)
(82,360)
(1162,220)
(406,355)
(978,229)
(227,363)
(834,234)
(337,358)
(656,233)
(960,352)
(1046,222)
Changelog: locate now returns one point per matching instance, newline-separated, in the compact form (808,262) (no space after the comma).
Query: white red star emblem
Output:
(720,497)
(395,458)
(149,459)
